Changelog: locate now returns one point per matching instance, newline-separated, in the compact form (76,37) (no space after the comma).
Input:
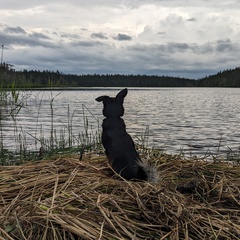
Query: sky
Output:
(190,39)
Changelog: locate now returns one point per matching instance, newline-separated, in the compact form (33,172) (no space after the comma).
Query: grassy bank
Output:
(65,198)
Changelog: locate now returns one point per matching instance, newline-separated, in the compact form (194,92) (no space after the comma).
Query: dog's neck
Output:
(113,122)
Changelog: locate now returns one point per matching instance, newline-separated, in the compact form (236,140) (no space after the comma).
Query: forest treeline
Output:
(42,79)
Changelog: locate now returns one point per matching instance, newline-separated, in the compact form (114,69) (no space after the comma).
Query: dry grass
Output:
(65,198)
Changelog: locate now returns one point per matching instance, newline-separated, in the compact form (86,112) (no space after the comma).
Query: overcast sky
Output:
(189,39)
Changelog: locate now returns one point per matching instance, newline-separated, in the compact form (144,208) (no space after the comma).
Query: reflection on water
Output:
(195,120)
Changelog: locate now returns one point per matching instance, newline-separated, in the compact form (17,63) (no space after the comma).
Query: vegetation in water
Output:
(65,140)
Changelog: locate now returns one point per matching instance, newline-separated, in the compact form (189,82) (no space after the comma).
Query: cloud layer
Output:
(177,38)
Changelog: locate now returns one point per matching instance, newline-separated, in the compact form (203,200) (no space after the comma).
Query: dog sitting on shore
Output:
(119,146)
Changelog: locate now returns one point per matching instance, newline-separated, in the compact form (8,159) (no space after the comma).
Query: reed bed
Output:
(65,198)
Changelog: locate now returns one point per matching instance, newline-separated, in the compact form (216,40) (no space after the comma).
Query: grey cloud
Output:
(191,19)
(205,48)
(19,5)
(225,45)
(220,46)
(93,56)
(168,48)
(122,37)
(69,35)
(143,60)
(39,36)
(161,33)
(175,46)
(98,35)
(25,40)
(85,57)
(12,4)
(172,48)
(86,43)
(11,36)
(14,30)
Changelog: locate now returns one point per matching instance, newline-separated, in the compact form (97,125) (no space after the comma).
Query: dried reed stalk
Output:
(65,198)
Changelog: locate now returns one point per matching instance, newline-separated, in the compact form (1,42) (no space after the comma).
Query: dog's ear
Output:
(122,94)
(100,99)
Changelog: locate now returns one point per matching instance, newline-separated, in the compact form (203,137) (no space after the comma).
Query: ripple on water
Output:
(195,120)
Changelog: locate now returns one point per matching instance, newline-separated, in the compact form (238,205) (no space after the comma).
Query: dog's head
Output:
(113,106)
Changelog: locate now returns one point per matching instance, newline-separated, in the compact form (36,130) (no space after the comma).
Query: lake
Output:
(193,121)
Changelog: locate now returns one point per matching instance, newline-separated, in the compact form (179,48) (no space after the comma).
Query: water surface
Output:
(197,121)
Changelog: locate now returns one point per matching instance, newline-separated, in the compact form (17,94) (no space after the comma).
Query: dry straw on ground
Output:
(65,198)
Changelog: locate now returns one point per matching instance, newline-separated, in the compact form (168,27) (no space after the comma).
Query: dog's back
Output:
(120,149)
(118,144)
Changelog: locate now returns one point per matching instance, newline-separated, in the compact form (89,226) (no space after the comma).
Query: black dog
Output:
(119,146)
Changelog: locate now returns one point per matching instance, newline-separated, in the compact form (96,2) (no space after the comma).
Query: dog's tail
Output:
(150,170)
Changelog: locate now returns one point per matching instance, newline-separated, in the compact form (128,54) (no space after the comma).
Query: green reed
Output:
(11,103)
(64,140)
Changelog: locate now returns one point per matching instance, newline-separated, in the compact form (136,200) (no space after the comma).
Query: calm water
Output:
(194,120)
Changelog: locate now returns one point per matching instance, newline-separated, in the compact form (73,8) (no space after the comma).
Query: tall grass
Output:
(11,103)
(55,141)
